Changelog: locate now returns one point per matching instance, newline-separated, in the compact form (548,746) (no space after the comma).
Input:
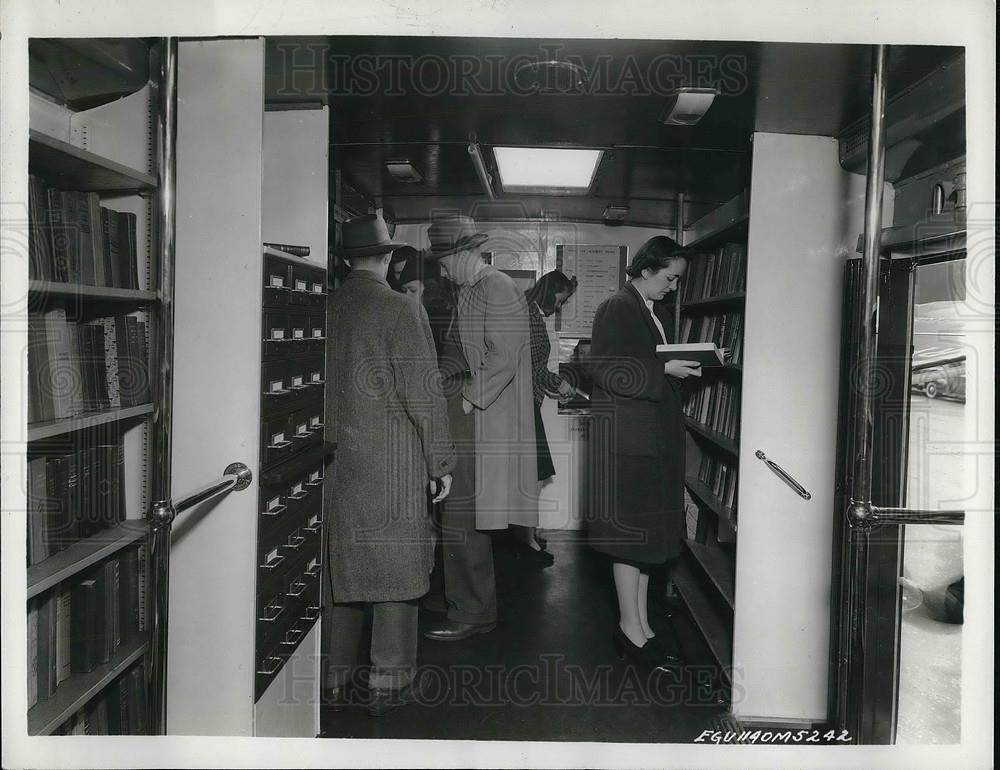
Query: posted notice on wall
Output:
(600,272)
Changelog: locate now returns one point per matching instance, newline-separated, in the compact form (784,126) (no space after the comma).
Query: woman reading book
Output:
(638,442)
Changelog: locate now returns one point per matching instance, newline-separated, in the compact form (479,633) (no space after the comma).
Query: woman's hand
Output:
(466,405)
(445,484)
(566,391)
(682,369)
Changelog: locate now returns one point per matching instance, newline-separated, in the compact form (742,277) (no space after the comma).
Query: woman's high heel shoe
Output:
(647,656)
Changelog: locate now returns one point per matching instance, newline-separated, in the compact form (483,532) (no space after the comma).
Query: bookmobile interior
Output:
(821,581)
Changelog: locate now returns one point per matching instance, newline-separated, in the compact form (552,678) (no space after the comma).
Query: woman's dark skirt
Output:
(636,502)
(546,469)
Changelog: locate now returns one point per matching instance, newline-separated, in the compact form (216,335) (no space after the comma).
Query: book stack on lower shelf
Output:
(83,631)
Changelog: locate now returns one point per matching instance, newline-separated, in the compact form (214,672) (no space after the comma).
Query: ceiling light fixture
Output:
(546,170)
(614,215)
(403,171)
(688,106)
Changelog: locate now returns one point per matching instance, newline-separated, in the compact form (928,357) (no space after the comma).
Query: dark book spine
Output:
(62,377)
(128,248)
(119,481)
(84,615)
(126,373)
(112,255)
(138,361)
(99,365)
(40,266)
(112,590)
(90,270)
(47,647)
(87,517)
(38,511)
(128,605)
(102,270)
(87,353)
(73,231)
(102,635)
(58,241)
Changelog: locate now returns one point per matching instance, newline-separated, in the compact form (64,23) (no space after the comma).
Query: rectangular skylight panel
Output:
(546,170)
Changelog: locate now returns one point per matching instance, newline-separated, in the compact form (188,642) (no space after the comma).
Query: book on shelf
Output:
(40,263)
(704,353)
(287,248)
(37,512)
(32,653)
(58,378)
(87,624)
(112,592)
(64,609)
(47,646)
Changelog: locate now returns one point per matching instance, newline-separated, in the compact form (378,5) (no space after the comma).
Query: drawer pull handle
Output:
(292,637)
(276,511)
(296,589)
(269,666)
(311,612)
(272,613)
(273,563)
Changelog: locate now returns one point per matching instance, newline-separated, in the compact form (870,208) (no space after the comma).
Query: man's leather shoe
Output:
(453,631)
(383,700)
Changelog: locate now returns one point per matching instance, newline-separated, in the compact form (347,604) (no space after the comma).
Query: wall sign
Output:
(600,272)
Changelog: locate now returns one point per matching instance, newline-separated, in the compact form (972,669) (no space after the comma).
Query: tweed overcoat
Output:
(493,325)
(388,417)
(636,435)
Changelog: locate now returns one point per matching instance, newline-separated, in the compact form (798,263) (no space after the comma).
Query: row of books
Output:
(723,329)
(716,406)
(72,496)
(81,624)
(76,367)
(716,274)
(120,709)
(74,239)
(719,475)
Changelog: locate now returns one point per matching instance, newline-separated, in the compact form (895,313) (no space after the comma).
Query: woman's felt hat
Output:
(365,236)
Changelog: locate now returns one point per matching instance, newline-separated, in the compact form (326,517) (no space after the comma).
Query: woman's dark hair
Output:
(545,289)
(656,253)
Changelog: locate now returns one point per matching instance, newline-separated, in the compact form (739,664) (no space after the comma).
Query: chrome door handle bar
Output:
(783,475)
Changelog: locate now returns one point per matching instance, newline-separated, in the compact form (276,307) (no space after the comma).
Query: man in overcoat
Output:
(493,327)
(389,421)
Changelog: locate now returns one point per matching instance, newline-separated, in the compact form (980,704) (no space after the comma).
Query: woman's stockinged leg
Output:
(642,607)
(627,588)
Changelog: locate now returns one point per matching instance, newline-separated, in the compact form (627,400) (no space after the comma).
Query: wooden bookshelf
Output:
(723,300)
(82,554)
(710,501)
(715,628)
(46,716)
(61,290)
(719,566)
(50,428)
(723,223)
(67,166)
(724,443)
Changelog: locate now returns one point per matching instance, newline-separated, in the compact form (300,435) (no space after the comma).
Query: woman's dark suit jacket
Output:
(637,443)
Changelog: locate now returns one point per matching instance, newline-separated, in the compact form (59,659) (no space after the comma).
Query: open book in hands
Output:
(705,353)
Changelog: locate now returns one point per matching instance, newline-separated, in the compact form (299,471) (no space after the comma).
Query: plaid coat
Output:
(386,412)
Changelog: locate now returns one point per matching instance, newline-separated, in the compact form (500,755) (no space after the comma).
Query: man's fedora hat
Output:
(450,234)
(365,236)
